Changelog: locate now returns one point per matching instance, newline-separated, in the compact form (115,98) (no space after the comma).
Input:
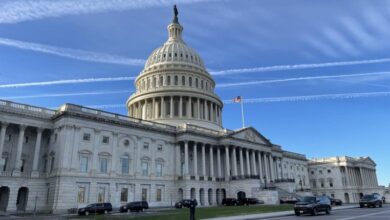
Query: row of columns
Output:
(361,176)
(261,164)
(196,108)
(19,148)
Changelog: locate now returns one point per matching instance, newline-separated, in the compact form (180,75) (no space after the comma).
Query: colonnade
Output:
(226,162)
(361,176)
(176,107)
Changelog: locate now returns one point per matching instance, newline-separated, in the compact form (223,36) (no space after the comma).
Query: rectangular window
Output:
(4,163)
(81,194)
(159,169)
(26,139)
(145,169)
(105,140)
(86,137)
(103,165)
(84,164)
(101,194)
(124,193)
(45,165)
(146,145)
(144,194)
(52,164)
(125,165)
(158,196)
(22,167)
(9,138)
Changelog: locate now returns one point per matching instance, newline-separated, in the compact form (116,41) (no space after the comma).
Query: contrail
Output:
(26,10)
(312,97)
(296,66)
(66,94)
(72,53)
(68,81)
(298,79)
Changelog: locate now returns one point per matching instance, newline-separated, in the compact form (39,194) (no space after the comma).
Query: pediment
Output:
(250,134)
(368,160)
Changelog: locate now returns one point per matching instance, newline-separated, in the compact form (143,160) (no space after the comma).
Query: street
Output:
(347,214)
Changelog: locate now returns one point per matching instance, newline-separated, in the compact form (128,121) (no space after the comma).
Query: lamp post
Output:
(265,182)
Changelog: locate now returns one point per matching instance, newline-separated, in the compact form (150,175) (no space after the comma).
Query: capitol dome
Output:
(174,87)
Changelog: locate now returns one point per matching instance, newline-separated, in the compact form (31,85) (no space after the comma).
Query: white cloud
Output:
(312,97)
(338,39)
(14,11)
(72,53)
(65,94)
(224,85)
(67,81)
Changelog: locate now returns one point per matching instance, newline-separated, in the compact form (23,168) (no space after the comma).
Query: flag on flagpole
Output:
(237,99)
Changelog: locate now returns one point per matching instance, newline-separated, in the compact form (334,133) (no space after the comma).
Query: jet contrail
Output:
(65,94)
(27,10)
(72,53)
(66,81)
(224,85)
(312,97)
(296,66)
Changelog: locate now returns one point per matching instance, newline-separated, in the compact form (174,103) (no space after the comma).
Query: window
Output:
(52,164)
(190,81)
(183,80)
(196,82)
(201,84)
(176,80)
(320,171)
(125,164)
(9,137)
(160,147)
(329,171)
(45,164)
(103,165)
(312,172)
(81,195)
(145,168)
(126,142)
(22,167)
(168,81)
(158,196)
(101,194)
(144,194)
(84,164)
(154,82)
(86,137)
(146,145)
(160,82)
(124,193)
(159,169)
(4,164)
(26,139)
(55,137)
(105,140)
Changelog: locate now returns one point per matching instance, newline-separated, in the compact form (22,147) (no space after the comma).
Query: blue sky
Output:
(315,74)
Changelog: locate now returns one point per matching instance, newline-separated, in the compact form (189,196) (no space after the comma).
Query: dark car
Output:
(250,201)
(288,200)
(312,205)
(230,201)
(96,208)
(334,201)
(373,200)
(134,206)
(186,203)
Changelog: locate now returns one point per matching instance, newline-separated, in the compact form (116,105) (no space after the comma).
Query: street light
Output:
(265,182)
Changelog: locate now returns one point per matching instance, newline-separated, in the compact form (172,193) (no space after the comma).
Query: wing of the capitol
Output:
(171,146)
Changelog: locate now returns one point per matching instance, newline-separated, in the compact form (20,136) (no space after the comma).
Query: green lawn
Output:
(201,213)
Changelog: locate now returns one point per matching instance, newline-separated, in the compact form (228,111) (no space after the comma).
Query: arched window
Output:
(201,84)
(190,81)
(183,80)
(160,83)
(125,164)
(154,82)
(168,81)
(176,80)
(196,82)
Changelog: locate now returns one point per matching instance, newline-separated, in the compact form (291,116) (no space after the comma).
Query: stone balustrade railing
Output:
(12,106)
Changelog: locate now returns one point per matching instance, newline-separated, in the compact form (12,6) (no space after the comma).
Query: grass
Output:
(201,213)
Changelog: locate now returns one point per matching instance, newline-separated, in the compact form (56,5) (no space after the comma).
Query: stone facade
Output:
(345,178)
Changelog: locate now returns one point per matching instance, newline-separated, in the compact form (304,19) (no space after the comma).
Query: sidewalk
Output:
(273,214)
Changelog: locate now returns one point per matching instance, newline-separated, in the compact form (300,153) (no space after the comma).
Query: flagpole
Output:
(242,113)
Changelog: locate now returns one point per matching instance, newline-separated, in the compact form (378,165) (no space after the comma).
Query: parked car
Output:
(96,208)
(312,205)
(134,206)
(230,201)
(249,201)
(373,200)
(185,203)
(334,201)
(288,199)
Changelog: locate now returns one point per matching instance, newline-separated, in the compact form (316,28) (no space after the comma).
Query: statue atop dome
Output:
(176,13)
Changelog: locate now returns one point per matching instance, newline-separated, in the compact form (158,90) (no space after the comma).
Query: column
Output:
(178,161)
(234,162)
(248,166)
(227,160)
(260,166)
(163,113)
(212,111)
(205,109)
(254,172)
(241,163)
(171,107)
(211,162)
(36,152)
(195,158)
(114,158)
(266,167)
(347,176)
(203,161)
(18,162)
(181,107)
(271,162)
(219,162)
(198,106)
(153,115)
(189,115)
(2,140)
(186,158)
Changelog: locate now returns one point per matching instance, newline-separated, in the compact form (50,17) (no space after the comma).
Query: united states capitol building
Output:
(172,145)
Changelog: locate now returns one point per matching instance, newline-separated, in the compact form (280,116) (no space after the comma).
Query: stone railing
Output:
(6,173)
(190,127)
(28,109)
(294,155)
(113,116)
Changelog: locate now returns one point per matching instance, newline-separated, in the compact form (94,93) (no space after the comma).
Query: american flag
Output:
(237,99)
